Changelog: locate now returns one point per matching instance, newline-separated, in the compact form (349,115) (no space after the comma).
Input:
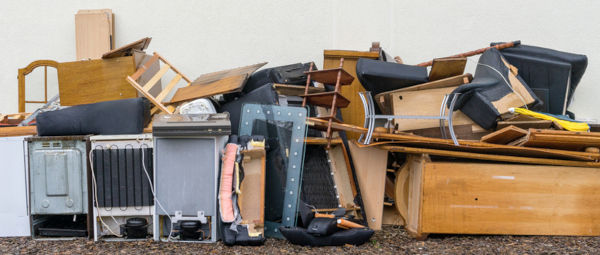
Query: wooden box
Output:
(500,199)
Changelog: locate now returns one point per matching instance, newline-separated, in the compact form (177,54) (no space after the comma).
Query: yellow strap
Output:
(568,125)
(237,179)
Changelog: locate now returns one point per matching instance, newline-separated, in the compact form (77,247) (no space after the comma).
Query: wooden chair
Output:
(27,70)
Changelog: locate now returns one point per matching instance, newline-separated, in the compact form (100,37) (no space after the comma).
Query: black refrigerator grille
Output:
(120,177)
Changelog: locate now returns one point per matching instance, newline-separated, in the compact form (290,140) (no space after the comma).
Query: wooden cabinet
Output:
(500,199)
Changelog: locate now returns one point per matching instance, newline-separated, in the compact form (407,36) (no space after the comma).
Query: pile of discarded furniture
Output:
(132,148)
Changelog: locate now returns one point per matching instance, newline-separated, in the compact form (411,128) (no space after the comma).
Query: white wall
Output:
(205,36)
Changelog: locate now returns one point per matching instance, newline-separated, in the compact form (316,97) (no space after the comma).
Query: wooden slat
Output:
(325,99)
(168,88)
(329,76)
(147,95)
(321,141)
(156,77)
(510,199)
(144,67)
(505,135)
(370,167)
(525,160)
(86,82)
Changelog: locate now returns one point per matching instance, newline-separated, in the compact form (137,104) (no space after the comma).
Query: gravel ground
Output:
(391,240)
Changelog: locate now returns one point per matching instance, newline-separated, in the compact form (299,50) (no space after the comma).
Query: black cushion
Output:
(126,116)
(354,236)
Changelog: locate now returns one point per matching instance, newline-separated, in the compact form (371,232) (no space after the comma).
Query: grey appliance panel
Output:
(185,175)
(58,177)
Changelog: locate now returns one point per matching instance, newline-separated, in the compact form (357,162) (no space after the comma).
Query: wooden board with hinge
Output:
(94,33)
(505,135)
(447,67)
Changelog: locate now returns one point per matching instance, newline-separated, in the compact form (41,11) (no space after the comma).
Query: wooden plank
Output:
(294,90)
(18,131)
(464,132)
(168,88)
(423,103)
(321,141)
(140,59)
(217,87)
(126,50)
(470,146)
(385,104)
(542,124)
(252,199)
(92,35)
(354,113)
(505,135)
(213,77)
(156,77)
(341,175)
(515,159)
(391,217)
(370,168)
(447,67)
(509,199)
(86,82)
(565,140)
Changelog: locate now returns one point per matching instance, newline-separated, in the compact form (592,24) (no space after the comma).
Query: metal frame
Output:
(296,115)
(370,117)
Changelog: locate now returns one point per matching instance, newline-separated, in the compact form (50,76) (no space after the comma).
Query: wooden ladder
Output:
(332,100)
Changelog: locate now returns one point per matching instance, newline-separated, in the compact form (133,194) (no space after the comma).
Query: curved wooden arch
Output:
(27,70)
(401,190)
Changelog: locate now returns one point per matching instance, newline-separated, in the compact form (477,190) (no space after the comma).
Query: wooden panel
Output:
(565,140)
(447,67)
(525,124)
(93,35)
(329,76)
(217,87)
(415,192)
(401,188)
(126,50)
(385,104)
(341,175)
(464,132)
(370,168)
(294,90)
(471,198)
(252,199)
(325,99)
(212,77)
(391,217)
(86,82)
(424,103)
(505,135)
(354,113)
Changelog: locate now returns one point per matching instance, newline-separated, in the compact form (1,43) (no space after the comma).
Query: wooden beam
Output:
(535,161)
